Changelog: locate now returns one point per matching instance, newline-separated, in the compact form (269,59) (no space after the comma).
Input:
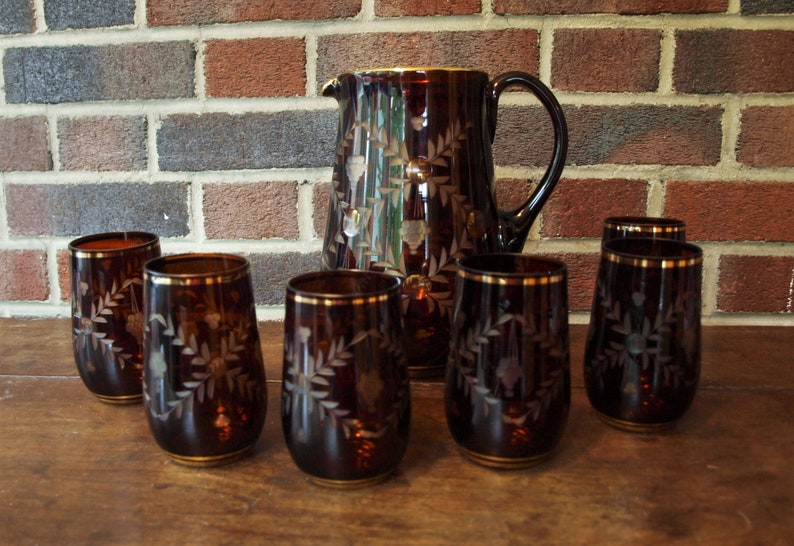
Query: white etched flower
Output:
(213,320)
(304,334)
(356,167)
(134,326)
(413,233)
(157,364)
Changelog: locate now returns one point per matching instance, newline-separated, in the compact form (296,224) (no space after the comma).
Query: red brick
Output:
(767,137)
(606,59)
(103,143)
(627,7)
(582,271)
(321,193)
(756,284)
(416,8)
(206,12)
(23,275)
(733,211)
(262,67)
(641,134)
(511,193)
(734,61)
(492,51)
(259,210)
(23,144)
(577,208)
(64,274)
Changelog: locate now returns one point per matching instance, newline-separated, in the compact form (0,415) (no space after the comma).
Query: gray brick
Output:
(270,273)
(63,14)
(760,7)
(81,209)
(16,16)
(603,134)
(155,70)
(189,142)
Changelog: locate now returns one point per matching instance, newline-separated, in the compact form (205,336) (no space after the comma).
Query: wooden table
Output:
(76,470)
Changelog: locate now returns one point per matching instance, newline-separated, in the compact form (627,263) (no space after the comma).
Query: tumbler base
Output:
(349,484)
(120,400)
(213,460)
(506,463)
(632,426)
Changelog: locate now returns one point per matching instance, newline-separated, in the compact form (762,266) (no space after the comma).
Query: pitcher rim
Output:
(412,69)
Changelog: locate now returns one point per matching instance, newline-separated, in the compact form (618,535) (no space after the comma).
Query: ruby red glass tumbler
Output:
(107,311)
(345,392)
(204,381)
(507,388)
(642,354)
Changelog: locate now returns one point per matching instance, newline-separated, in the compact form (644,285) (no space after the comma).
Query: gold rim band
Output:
(536,280)
(660,263)
(101,254)
(646,229)
(333,301)
(196,280)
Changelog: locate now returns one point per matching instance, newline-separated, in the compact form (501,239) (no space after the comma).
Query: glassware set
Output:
(416,254)
(180,332)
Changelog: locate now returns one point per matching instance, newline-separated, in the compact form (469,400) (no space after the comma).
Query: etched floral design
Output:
(509,379)
(215,362)
(636,339)
(104,305)
(382,200)
(308,379)
(413,233)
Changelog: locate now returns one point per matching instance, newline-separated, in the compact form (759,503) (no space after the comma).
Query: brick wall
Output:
(201,120)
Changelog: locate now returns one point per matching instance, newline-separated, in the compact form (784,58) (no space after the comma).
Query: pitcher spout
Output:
(331,89)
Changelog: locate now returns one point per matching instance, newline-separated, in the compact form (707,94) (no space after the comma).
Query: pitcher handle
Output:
(516,223)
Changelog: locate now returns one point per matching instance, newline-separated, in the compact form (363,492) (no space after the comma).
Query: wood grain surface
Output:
(74,470)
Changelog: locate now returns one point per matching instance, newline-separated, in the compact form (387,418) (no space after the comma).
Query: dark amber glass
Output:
(413,186)
(107,311)
(204,380)
(642,355)
(508,381)
(345,396)
(617,227)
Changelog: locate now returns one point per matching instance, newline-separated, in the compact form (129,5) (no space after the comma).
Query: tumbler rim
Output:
(299,295)
(238,267)
(149,240)
(651,224)
(677,254)
(556,272)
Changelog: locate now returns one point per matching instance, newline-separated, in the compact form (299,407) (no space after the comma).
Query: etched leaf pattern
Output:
(639,340)
(104,305)
(307,379)
(371,198)
(213,366)
(509,373)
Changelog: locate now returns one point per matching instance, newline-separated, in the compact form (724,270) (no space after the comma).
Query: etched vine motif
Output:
(399,187)
(509,374)
(104,305)
(638,340)
(213,367)
(307,379)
